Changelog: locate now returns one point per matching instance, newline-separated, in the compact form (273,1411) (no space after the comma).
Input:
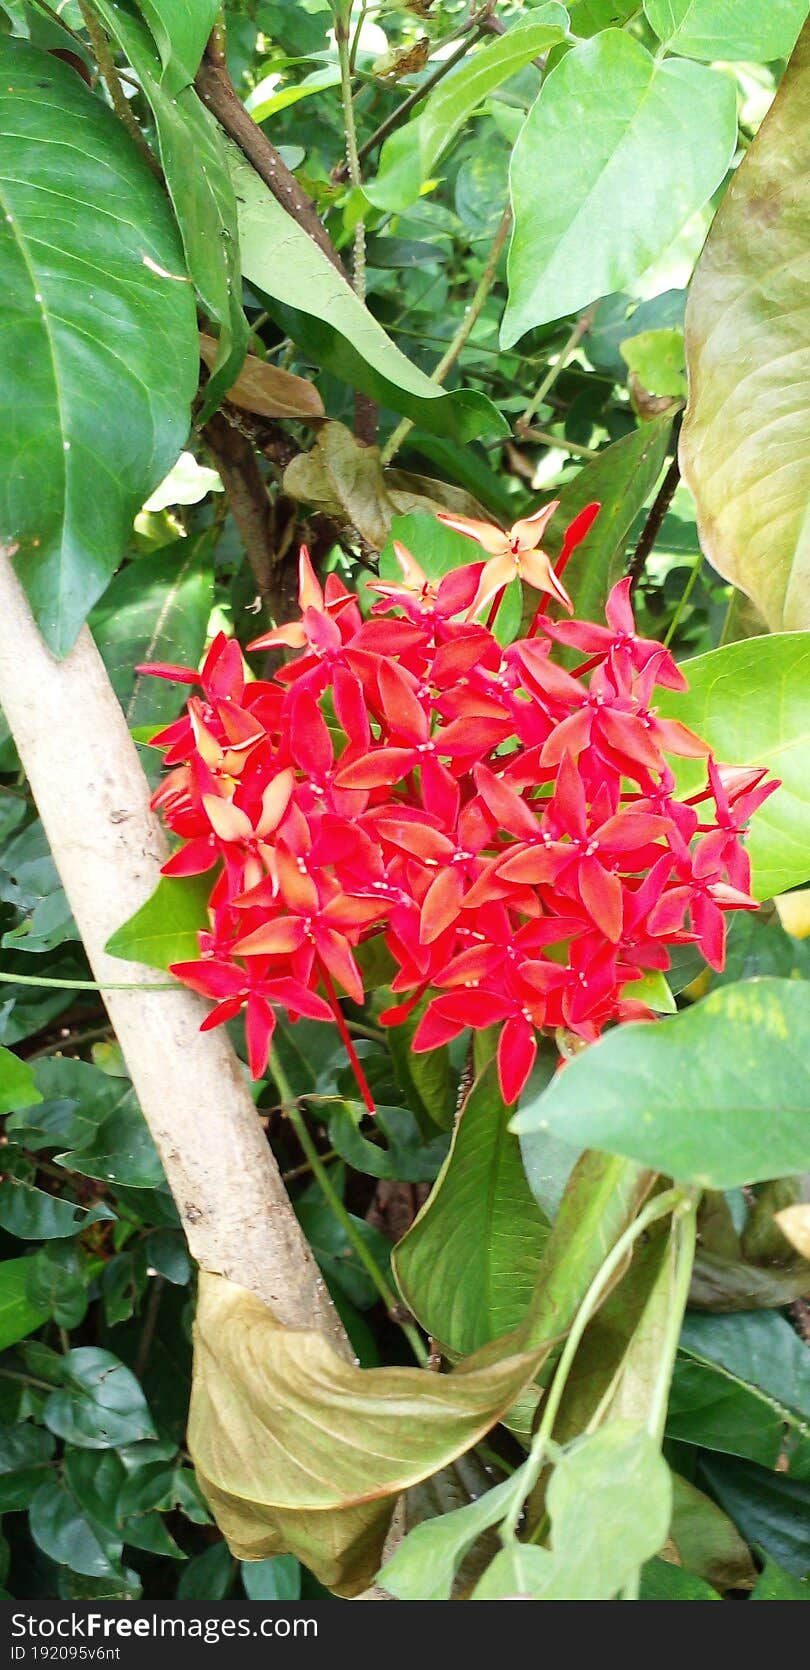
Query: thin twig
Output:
(109,75)
(473,29)
(149,1326)
(545,438)
(462,335)
(653,524)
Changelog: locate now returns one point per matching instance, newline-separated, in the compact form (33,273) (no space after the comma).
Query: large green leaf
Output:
(717,1095)
(466,1289)
(425,1563)
(181,29)
(202,195)
(617,153)
(757,1349)
(757,29)
(751,702)
(745,444)
(18,1316)
(409,156)
(156,609)
(101,1405)
(322,310)
(771,1510)
(101,357)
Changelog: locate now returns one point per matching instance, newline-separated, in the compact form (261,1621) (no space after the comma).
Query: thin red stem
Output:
(495,606)
(334,1004)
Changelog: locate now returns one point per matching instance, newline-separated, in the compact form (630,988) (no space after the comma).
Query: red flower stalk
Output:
(405,776)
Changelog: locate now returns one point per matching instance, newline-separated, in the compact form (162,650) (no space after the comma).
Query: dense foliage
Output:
(442,813)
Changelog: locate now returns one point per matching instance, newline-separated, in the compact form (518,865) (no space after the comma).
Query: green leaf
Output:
(17,1086)
(202,195)
(599,189)
(425,1563)
(18,1316)
(34,1215)
(404,1155)
(779,1585)
(662,1580)
(715,1096)
(758,1349)
(751,702)
(409,156)
(466,1290)
(62,1528)
(156,609)
(276,1579)
(656,357)
(771,1510)
(609,1500)
(181,29)
(744,448)
(706,1541)
(712,1411)
(101,1405)
(165,929)
(440,550)
(620,480)
(759,30)
(25,1457)
(325,316)
(208,1576)
(97,393)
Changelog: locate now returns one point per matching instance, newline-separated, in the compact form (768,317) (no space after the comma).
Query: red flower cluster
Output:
(510,828)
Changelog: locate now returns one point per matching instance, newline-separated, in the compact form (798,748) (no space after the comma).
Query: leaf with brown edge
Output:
(745,444)
(299,1451)
(265,389)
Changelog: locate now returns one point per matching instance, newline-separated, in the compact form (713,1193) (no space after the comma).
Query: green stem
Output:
(292,1111)
(582,325)
(90,985)
(461,336)
(545,438)
(657,1208)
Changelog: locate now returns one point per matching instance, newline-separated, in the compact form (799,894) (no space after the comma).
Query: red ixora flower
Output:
(510,829)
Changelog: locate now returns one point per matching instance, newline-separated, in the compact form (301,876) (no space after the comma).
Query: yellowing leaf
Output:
(265,389)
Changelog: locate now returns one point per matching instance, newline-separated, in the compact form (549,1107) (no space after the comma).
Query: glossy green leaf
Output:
(202,195)
(165,929)
(599,189)
(181,29)
(403,1155)
(97,388)
(710,1410)
(17,1086)
(759,30)
(609,1501)
(770,1509)
(70,1534)
(101,1405)
(717,1095)
(751,703)
(284,263)
(277,1579)
(25,1458)
(744,443)
(33,1215)
(156,609)
(18,1316)
(758,1349)
(463,1289)
(410,155)
(208,1576)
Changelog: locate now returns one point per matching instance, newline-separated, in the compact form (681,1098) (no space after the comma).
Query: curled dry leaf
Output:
(794,1222)
(297,1451)
(266,390)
